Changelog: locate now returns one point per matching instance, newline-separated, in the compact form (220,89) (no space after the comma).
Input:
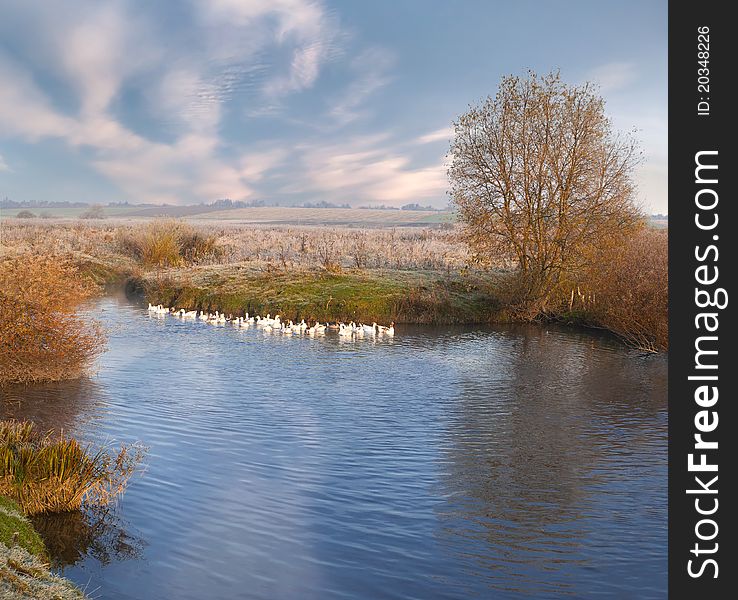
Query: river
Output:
(446,462)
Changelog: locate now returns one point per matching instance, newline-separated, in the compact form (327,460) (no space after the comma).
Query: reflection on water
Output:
(446,463)
(542,462)
(67,406)
(98,533)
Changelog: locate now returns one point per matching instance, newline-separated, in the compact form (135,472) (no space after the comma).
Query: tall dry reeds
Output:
(45,473)
(167,243)
(41,337)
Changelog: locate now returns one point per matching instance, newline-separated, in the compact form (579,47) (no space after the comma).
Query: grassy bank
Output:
(24,571)
(381,296)
(406,275)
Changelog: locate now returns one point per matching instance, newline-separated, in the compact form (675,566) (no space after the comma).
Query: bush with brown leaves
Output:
(41,336)
(627,290)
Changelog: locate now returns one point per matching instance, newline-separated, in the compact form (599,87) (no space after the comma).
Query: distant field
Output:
(329,216)
(271,215)
(69,213)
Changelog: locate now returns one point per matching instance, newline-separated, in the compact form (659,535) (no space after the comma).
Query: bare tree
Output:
(538,175)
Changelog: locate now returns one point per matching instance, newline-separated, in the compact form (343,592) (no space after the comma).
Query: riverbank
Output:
(405,275)
(24,571)
(359,295)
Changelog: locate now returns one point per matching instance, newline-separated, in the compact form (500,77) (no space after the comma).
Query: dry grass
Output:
(167,243)
(172,243)
(45,473)
(334,217)
(41,338)
(24,576)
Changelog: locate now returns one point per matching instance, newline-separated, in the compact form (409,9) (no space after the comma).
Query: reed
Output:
(47,473)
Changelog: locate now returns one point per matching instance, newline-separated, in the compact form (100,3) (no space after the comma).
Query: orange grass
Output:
(44,473)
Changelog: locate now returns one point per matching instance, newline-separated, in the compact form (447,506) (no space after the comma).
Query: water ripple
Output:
(444,463)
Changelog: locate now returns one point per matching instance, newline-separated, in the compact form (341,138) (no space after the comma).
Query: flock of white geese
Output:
(275,324)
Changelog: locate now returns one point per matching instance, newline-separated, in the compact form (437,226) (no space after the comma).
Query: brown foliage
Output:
(626,290)
(41,338)
(95,211)
(539,177)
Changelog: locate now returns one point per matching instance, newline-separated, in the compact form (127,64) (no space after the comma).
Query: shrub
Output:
(627,290)
(46,473)
(41,339)
(167,243)
(25,214)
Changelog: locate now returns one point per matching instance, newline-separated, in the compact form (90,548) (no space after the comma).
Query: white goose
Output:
(316,329)
(370,329)
(389,331)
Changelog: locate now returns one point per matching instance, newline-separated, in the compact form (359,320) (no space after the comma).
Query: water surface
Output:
(444,463)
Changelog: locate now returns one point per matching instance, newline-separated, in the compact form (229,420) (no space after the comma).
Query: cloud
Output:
(439,135)
(3,165)
(148,106)
(306,28)
(105,56)
(24,109)
(614,76)
(371,73)
(366,169)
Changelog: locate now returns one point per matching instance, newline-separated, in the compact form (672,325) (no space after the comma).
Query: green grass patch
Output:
(14,526)
(381,296)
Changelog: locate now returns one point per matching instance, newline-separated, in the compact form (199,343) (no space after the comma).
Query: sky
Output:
(295,101)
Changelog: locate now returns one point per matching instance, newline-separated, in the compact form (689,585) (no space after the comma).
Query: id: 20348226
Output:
(703,71)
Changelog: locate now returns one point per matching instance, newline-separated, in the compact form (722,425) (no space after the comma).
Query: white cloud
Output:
(97,52)
(614,76)
(439,135)
(367,169)
(100,53)
(3,165)
(371,69)
(305,26)
(24,109)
